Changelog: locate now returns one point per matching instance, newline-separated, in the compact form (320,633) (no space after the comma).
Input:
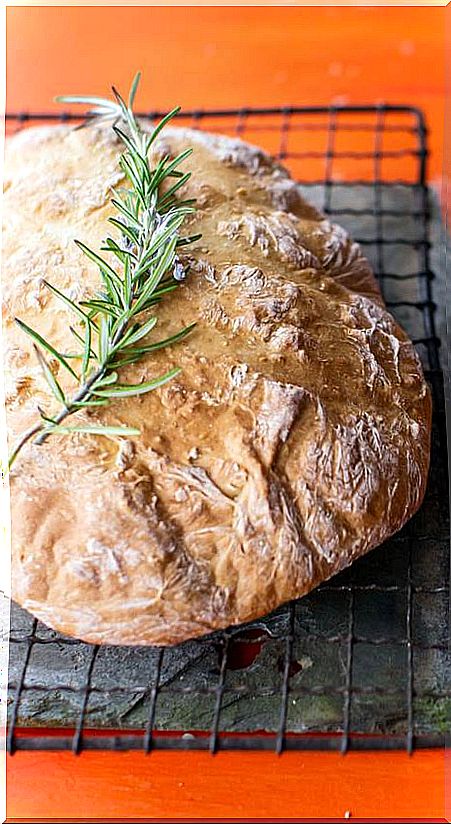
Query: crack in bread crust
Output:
(295,439)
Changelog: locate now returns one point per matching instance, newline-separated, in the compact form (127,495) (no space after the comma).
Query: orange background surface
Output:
(225,57)
(215,57)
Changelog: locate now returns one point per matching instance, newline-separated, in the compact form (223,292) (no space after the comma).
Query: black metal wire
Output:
(409,651)
(243,690)
(126,741)
(285,689)
(425,283)
(85,691)
(291,124)
(219,690)
(378,138)
(284,130)
(266,111)
(349,685)
(328,165)
(18,689)
(240,123)
(148,738)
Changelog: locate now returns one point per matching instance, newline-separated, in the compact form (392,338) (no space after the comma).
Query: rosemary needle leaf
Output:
(99,102)
(82,341)
(104,338)
(133,177)
(72,305)
(91,402)
(128,142)
(163,290)
(166,260)
(96,430)
(104,267)
(126,230)
(102,306)
(134,89)
(45,417)
(131,389)
(128,285)
(130,356)
(163,123)
(49,376)
(174,188)
(87,351)
(121,254)
(45,344)
(133,337)
(152,347)
(184,241)
(106,380)
(121,102)
(176,162)
(121,207)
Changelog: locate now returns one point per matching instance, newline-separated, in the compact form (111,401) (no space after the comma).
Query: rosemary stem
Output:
(69,410)
(25,437)
(84,390)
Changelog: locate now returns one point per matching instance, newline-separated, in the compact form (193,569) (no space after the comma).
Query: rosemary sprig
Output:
(113,325)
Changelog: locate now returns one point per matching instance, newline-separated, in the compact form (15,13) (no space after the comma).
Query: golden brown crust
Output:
(295,439)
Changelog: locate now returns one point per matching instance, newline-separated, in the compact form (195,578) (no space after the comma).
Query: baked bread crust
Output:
(295,439)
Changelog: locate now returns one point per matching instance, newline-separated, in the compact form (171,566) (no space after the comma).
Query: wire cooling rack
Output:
(363,662)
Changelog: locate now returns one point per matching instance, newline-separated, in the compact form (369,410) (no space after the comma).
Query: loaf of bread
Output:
(295,439)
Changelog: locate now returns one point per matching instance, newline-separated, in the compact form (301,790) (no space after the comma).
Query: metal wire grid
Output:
(293,128)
